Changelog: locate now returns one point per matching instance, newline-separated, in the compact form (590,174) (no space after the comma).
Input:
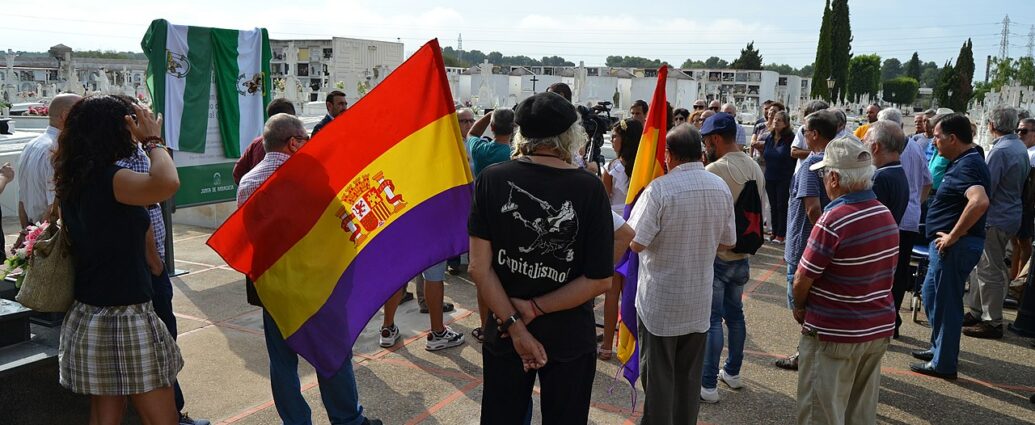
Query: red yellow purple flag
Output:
(650,164)
(371,201)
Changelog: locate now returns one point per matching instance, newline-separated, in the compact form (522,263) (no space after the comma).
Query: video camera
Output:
(596,121)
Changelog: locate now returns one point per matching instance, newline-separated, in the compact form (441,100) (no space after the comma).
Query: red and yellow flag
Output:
(380,194)
(650,164)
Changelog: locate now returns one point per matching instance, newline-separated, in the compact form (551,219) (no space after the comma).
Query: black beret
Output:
(543,115)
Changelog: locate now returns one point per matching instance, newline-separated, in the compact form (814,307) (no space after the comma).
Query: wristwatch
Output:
(510,321)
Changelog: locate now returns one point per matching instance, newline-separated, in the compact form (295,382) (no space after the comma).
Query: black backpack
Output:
(748,213)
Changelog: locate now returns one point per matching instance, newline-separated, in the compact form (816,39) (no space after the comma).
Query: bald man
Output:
(35,171)
(731,109)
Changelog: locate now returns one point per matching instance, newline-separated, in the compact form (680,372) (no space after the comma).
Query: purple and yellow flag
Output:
(650,164)
(381,194)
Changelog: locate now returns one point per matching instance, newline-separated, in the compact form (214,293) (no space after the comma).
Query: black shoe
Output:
(407,296)
(789,363)
(368,421)
(970,320)
(926,369)
(895,335)
(984,330)
(925,355)
(446,308)
(1032,399)
(1020,332)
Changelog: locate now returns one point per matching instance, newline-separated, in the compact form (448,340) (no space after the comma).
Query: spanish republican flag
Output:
(381,194)
(650,164)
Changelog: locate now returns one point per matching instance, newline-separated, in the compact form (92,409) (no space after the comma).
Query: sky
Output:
(588,31)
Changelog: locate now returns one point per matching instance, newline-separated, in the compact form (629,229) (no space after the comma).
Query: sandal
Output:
(478,334)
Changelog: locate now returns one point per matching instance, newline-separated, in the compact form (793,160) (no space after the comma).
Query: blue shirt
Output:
(486,152)
(925,143)
(947,205)
(805,184)
(1008,168)
(891,187)
(915,167)
(779,165)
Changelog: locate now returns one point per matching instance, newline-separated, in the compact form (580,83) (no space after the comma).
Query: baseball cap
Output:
(844,154)
(720,123)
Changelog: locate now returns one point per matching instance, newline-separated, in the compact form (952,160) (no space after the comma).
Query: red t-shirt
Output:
(251,156)
(851,256)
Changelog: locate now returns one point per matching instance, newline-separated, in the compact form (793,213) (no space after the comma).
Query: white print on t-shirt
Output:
(555,228)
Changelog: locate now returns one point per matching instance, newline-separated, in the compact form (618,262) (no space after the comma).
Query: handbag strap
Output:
(55,211)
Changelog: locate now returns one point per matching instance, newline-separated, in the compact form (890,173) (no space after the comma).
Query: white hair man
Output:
(731,109)
(35,170)
(1008,167)
(842,293)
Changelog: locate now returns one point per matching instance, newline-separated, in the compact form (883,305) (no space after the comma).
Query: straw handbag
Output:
(50,277)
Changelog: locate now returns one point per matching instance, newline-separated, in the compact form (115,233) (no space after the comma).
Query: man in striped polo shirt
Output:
(842,293)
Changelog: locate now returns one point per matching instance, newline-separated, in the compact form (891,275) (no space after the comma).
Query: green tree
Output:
(821,67)
(749,58)
(1026,71)
(840,47)
(715,62)
(913,67)
(863,77)
(495,57)
(806,71)
(946,82)
(963,85)
(782,69)
(690,63)
(892,68)
(632,62)
(556,61)
(901,90)
(929,72)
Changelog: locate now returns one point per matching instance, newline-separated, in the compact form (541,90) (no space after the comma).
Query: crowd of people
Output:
(547,233)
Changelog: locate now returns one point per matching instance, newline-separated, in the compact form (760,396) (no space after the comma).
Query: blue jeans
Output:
(791,269)
(727,289)
(339,394)
(943,298)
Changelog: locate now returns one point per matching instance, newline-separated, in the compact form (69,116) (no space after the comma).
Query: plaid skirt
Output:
(118,350)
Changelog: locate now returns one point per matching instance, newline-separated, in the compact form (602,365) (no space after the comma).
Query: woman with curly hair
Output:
(113,345)
(625,138)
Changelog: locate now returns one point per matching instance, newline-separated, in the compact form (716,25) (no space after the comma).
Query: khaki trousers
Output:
(838,383)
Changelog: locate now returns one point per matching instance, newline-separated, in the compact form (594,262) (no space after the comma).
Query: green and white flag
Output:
(181,60)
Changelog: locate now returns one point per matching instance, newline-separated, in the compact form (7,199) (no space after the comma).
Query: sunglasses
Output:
(698,107)
(714,108)
(1022,131)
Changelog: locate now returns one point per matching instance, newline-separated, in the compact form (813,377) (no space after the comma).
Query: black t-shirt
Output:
(107,244)
(548,226)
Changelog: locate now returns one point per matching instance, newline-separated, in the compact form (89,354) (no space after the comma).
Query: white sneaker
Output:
(448,338)
(732,380)
(710,395)
(389,336)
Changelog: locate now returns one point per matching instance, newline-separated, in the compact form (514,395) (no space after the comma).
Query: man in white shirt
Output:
(730,109)
(35,170)
(681,220)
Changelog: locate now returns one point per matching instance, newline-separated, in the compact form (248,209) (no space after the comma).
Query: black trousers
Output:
(565,389)
(903,277)
(162,302)
(779,194)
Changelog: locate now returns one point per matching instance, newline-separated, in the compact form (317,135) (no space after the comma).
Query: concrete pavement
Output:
(226,374)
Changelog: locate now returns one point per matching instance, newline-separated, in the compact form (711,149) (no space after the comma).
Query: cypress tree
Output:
(963,87)
(946,81)
(821,70)
(840,47)
(913,67)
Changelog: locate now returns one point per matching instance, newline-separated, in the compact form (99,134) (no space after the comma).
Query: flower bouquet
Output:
(18,263)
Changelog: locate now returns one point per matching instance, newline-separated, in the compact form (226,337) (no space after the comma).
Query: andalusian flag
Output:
(650,164)
(374,199)
(181,60)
